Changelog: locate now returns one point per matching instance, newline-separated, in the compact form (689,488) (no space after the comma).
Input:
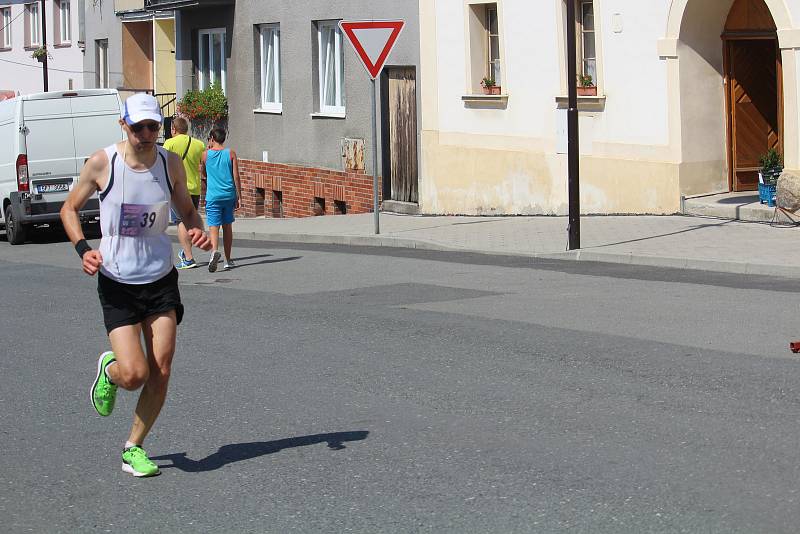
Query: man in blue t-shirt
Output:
(219,166)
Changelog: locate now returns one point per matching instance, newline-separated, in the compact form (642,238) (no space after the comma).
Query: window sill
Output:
(63,45)
(585,103)
(6,49)
(328,115)
(485,101)
(277,110)
(31,48)
(485,98)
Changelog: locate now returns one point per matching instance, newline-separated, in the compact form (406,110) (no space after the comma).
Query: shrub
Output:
(206,105)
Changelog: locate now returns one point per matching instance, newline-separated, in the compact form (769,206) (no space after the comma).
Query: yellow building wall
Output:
(464,179)
(164,30)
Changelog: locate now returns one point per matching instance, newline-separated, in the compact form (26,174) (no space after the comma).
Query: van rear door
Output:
(95,121)
(50,146)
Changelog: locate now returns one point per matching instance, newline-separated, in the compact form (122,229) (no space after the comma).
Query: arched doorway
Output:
(754,92)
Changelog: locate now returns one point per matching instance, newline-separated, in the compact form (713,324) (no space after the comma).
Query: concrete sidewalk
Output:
(669,241)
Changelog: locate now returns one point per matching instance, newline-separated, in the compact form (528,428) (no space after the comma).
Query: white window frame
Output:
(5,20)
(492,61)
(64,22)
(34,24)
(270,43)
(101,62)
(206,79)
(338,66)
(583,35)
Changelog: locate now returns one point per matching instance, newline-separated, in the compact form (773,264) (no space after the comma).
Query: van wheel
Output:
(15,232)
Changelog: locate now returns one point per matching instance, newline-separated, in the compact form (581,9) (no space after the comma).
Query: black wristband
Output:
(82,247)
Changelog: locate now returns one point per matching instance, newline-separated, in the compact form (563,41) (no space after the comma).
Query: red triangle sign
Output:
(372,40)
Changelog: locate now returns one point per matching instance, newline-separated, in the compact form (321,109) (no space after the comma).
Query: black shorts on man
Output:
(128,304)
(173,215)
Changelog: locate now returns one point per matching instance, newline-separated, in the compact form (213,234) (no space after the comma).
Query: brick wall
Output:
(279,190)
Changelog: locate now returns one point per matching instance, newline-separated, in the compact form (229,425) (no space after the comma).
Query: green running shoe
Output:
(136,462)
(103,392)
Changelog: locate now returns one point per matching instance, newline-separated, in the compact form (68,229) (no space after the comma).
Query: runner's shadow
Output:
(237,452)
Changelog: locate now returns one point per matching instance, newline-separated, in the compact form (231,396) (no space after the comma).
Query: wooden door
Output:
(754,104)
(402,134)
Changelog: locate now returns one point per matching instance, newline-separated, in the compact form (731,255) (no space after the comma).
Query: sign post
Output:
(372,41)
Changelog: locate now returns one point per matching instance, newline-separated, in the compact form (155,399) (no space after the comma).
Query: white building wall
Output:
(20,72)
(634,78)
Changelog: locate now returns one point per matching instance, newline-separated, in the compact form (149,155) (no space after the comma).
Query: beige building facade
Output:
(681,98)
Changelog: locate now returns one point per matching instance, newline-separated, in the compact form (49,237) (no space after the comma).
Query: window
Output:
(33,25)
(493,45)
(485,46)
(101,63)
(587,53)
(330,74)
(64,27)
(212,58)
(270,67)
(5,27)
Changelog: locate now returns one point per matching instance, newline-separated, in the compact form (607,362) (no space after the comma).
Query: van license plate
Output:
(52,188)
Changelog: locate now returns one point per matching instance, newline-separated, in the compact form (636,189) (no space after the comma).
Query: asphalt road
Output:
(335,389)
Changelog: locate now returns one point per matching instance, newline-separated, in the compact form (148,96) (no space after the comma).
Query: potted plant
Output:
(489,86)
(586,85)
(771,167)
(40,53)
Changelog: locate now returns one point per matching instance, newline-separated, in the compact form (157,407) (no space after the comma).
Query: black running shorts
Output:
(127,304)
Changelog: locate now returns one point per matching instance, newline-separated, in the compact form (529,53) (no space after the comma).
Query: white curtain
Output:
(270,71)
(329,71)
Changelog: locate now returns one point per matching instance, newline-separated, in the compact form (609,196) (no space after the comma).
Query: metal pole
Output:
(375,159)
(44,44)
(573,154)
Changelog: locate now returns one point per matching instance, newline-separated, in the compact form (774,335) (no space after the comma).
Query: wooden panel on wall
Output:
(403,134)
(137,54)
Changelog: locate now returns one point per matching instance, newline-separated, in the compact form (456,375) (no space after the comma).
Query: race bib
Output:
(143,219)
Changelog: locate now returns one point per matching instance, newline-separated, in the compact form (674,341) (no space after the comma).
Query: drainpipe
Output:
(573,154)
(44,44)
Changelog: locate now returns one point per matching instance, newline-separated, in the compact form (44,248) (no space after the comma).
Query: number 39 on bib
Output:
(143,219)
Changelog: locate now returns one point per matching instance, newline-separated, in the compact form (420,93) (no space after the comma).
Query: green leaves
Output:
(771,160)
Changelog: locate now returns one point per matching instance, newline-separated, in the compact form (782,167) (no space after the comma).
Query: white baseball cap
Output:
(142,107)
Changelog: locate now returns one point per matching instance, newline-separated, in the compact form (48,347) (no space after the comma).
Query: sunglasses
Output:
(139,126)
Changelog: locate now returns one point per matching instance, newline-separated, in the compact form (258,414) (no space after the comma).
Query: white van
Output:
(45,138)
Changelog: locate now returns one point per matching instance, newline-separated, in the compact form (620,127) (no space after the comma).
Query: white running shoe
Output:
(212,263)
(228,265)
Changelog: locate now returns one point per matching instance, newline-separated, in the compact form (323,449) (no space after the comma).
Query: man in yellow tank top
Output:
(190,150)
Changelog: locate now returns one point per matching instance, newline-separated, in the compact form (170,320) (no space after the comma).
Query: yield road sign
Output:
(373,41)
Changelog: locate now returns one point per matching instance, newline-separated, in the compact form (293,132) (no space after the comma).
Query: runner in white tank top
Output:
(134,215)
(137,284)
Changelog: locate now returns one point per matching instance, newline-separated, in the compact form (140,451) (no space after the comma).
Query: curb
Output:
(693,264)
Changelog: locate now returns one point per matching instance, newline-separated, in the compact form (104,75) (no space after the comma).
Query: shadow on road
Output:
(237,452)
(274,260)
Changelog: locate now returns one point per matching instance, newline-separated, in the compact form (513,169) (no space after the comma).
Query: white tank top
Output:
(134,214)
